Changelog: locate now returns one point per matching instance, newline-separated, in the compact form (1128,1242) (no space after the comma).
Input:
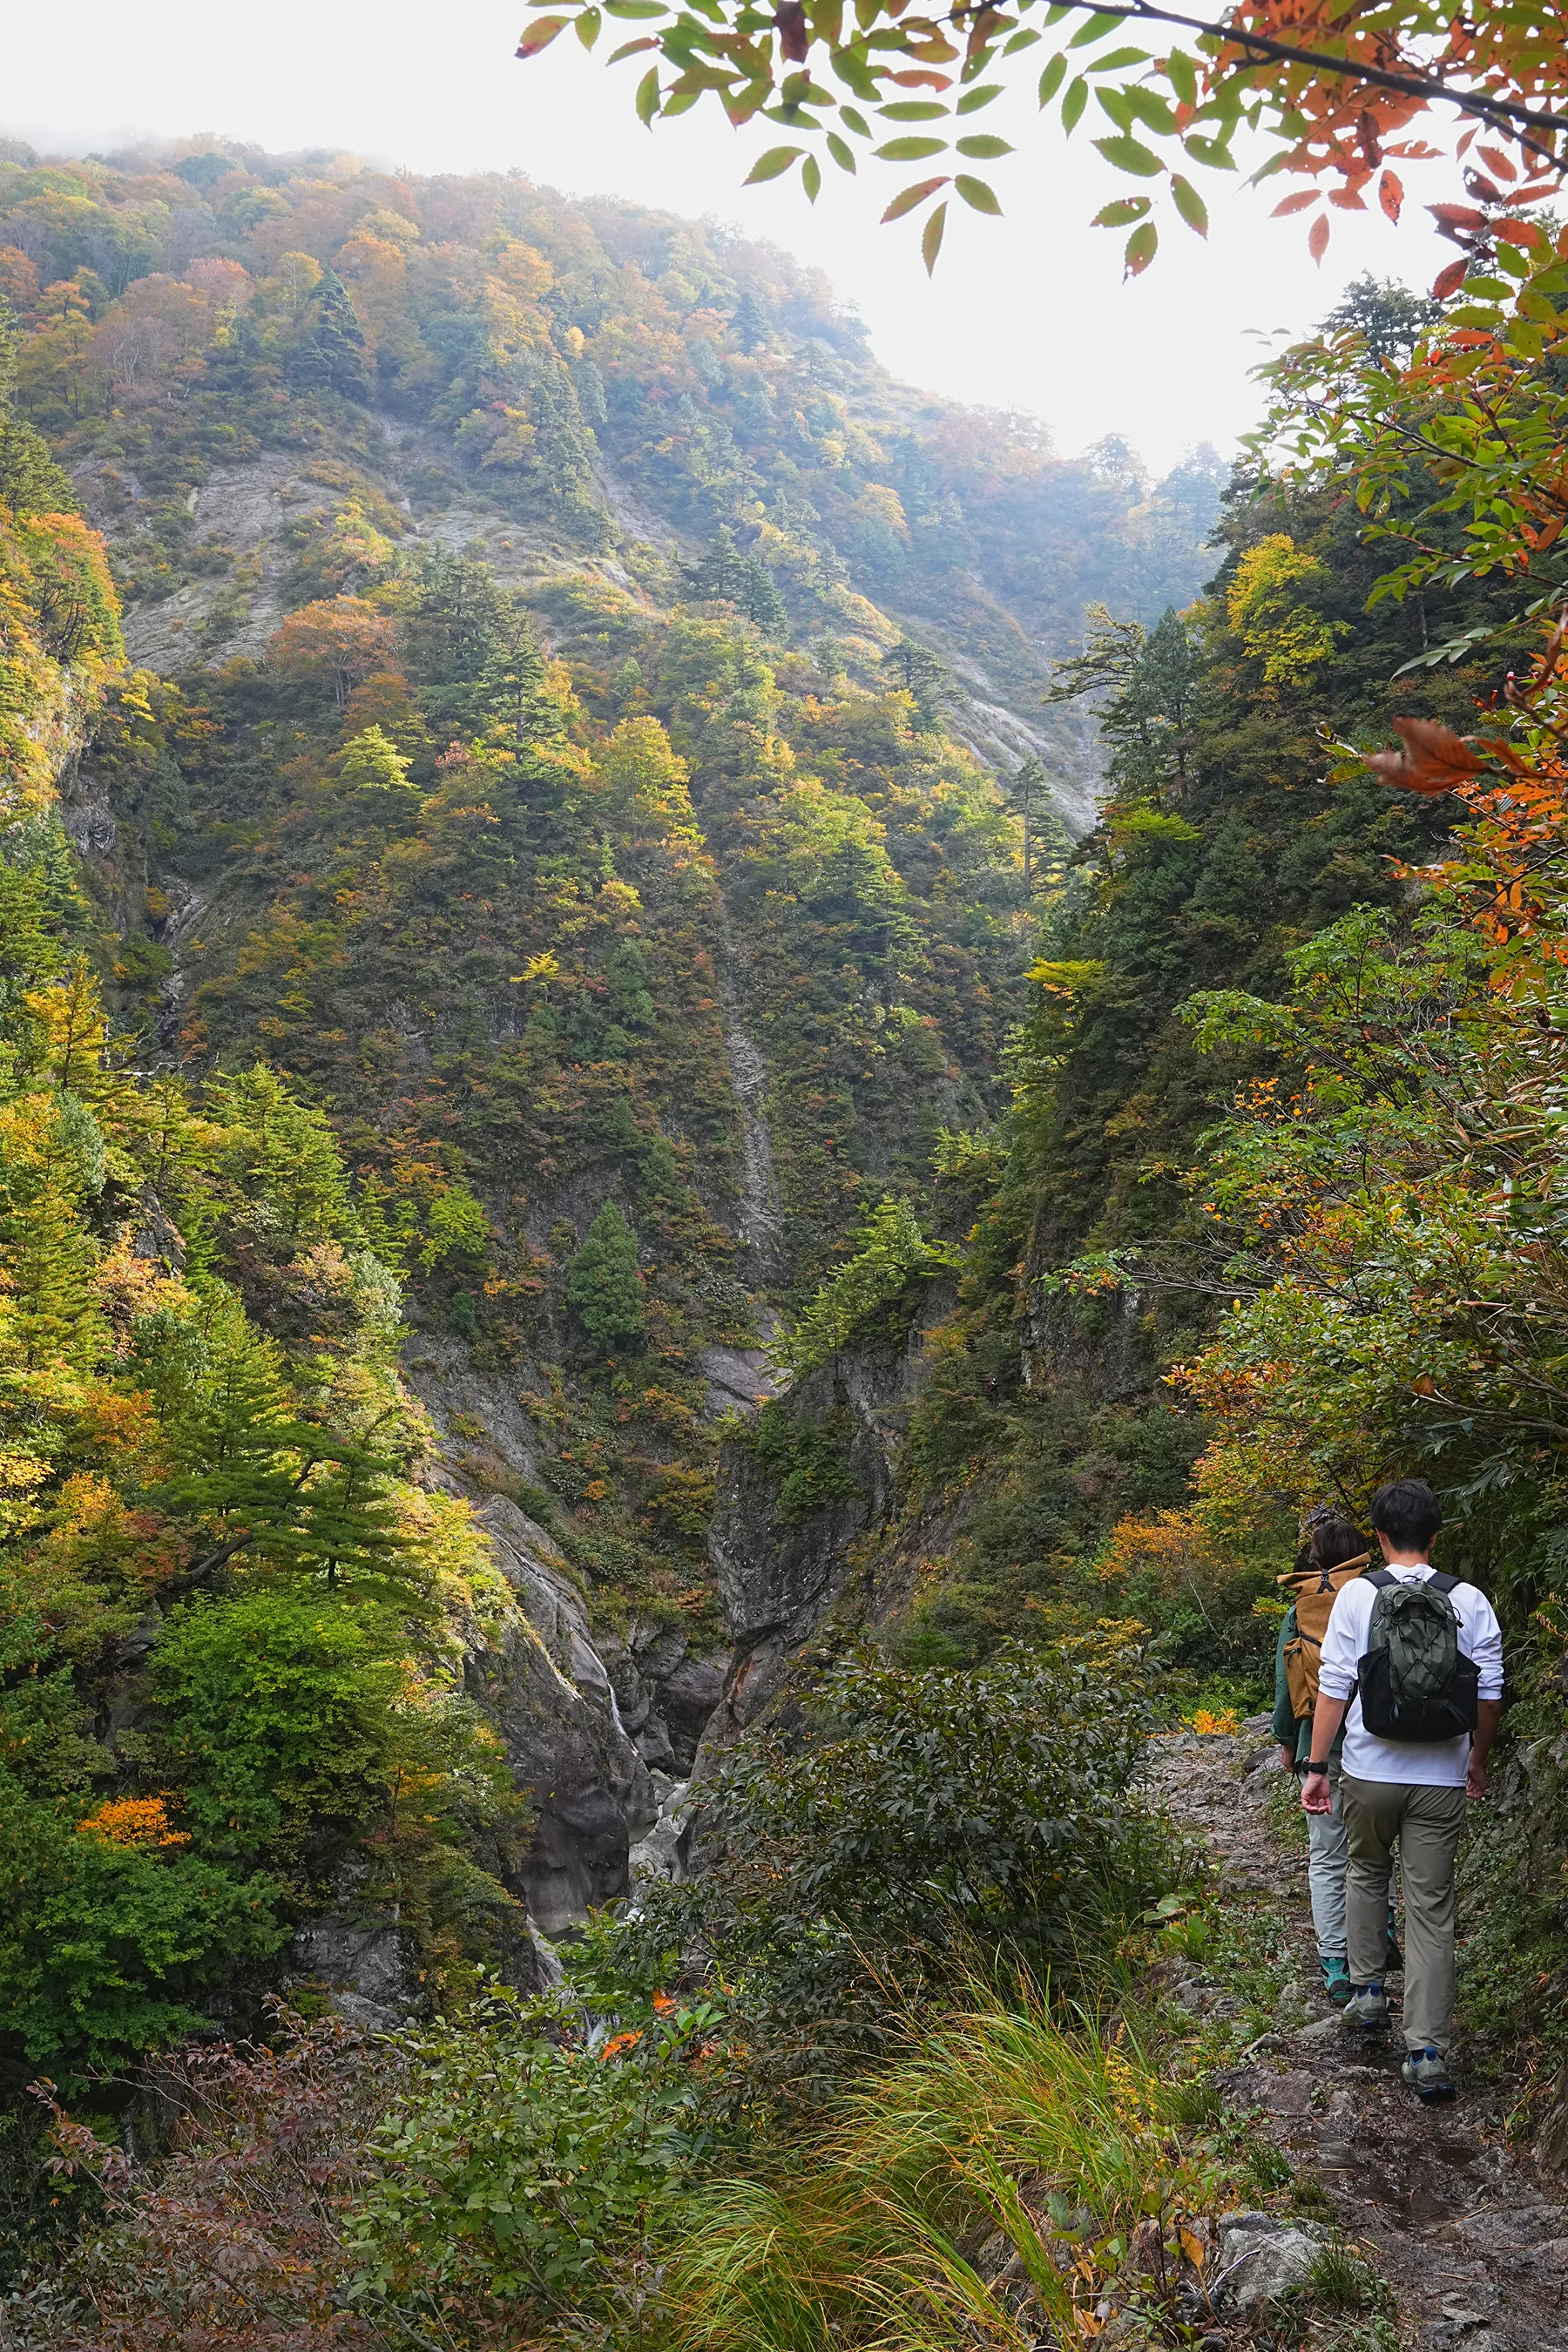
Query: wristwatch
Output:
(1317,1768)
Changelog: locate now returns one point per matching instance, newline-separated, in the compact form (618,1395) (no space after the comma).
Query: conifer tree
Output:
(513,677)
(604,1286)
(334,353)
(719,572)
(760,599)
(925,676)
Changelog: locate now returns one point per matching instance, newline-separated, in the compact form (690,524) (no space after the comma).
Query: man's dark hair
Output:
(1407,1512)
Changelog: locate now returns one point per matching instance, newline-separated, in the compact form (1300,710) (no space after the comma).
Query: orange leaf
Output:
(1347,199)
(1448,281)
(1318,237)
(1499,163)
(1297,203)
(1391,195)
(1434,759)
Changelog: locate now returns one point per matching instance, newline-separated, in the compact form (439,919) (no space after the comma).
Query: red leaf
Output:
(794,35)
(1499,162)
(1347,199)
(1318,237)
(1452,216)
(1448,281)
(1297,203)
(1391,195)
(539,35)
(1434,759)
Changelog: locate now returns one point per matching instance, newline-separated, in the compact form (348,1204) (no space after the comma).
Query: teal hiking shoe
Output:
(1427,2071)
(1366,2012)
(1337,1983)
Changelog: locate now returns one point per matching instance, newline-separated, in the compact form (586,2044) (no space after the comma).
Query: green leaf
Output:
(1122,214)
(769,166)
(972,101)
(1113,103)
(976,194)
(841,151)
(985,147)
(931,236)
(853,69)
(1151,110)
(1141,247)
(907,198)
(1131,156)
(680,101)
(811,178)
(909,151)
(913,110)
(1096,29)
(633,7)
(647,97)
(1023,40)
(1074,103)
(853,119)
(1189,203)
(1051,80)
(588,25)
(1118,61)
(1212,151)
(1183,75)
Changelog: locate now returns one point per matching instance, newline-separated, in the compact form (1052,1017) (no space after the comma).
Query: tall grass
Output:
(1000,2118)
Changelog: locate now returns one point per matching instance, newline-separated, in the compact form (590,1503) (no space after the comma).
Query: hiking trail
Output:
(1470,2234)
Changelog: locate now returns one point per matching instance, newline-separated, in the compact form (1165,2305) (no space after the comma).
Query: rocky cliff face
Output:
(549,1694)
(783,1567)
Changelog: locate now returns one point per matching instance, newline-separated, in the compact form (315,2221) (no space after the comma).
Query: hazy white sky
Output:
(1027,312)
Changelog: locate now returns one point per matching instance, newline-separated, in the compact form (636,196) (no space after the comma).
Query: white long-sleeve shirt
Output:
(1435,1763)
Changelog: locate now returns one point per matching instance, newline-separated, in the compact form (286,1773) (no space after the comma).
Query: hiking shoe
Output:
(1337,1983)
(1427,2071)
(1366,2012)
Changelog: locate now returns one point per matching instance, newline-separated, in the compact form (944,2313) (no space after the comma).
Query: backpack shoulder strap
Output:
(1440,1583)
(1377,1576)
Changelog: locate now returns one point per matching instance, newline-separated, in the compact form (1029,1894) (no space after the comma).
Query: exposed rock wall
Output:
(781,1574)
(548,1692)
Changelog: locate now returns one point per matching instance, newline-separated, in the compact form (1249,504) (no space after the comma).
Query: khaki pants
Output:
(1427,1821)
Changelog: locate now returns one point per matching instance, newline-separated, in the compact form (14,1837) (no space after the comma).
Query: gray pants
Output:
(1427,1821)
(1326,1871)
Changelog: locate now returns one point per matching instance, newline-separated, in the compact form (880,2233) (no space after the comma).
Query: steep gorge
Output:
(566,730)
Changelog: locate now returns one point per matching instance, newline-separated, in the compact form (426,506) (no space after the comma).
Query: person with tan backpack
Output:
(1334,1554)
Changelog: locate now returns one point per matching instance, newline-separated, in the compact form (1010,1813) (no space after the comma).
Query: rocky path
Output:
(1472,2239)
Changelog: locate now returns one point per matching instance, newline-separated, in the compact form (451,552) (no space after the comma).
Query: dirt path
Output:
(1472,2239)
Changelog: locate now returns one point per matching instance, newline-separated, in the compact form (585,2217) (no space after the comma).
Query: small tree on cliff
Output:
(604,1286)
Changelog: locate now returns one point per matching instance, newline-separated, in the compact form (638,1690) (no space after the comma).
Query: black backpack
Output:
(1415,1682)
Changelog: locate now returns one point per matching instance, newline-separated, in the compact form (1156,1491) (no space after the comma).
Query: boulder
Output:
(1260,2257)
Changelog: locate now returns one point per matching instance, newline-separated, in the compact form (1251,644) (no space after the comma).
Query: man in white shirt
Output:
(1415,1790)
